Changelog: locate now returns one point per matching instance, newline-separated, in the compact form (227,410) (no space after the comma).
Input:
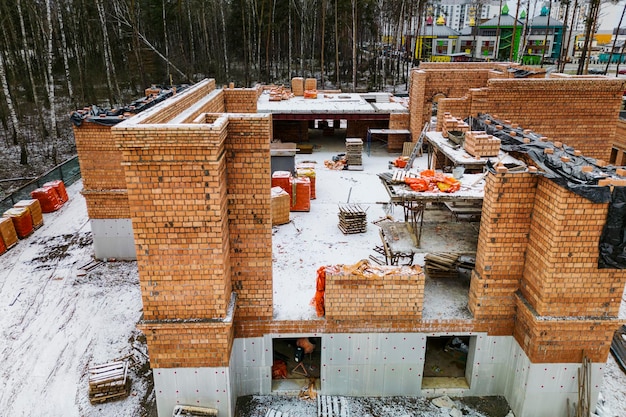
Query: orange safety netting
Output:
(48,198)
(430,180)
(318,299)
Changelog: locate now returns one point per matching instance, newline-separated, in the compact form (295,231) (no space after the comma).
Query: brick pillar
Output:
(561,277)
(566,305)
(177,195)
(502,242)
(249,213)
(104,183)
(419,115)
(241,100)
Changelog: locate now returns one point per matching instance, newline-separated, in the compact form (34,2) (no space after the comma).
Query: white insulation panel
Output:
(204,387)
(113,238)
(382,364)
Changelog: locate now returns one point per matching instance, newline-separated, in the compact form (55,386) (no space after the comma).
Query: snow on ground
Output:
(54,324)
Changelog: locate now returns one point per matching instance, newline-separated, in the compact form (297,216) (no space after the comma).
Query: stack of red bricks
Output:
(280,206)
(299,189)
(8,235)
(297,86)
(453,124)
(480,144)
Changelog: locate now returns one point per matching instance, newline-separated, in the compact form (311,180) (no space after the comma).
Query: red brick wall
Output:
(579,112)
(291,130)
(379,292)
(248,175)
(358,128)
(618,154)
(502,241)
(562,341)
(107,204)
(561,276)
(177,197)
(241,100)
(190,344)
(399,121)
(176,104)
(429,84)
(457,107)
(100,160)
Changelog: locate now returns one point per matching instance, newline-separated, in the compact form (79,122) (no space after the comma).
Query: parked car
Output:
(622,71)
(596,71)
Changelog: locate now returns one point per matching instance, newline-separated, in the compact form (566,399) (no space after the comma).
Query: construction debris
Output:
(308,392)
(109,382)
(446,265)
(352,219)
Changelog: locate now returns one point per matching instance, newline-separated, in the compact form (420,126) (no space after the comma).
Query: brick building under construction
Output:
(166,187)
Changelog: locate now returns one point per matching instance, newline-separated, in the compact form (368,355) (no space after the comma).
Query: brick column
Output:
(177,195)
(566,304)
(249,213)
(417,103)
(502,242)
(104,183)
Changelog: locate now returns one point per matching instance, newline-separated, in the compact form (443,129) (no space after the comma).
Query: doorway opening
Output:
(445,363)
(296,363)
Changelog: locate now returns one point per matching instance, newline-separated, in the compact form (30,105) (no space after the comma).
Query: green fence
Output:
(68,172)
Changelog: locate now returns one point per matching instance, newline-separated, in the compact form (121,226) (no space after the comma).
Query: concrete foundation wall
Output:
(202,387)
(389,364)
(113,238)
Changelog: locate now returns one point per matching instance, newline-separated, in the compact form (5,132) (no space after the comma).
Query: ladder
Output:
(417,149)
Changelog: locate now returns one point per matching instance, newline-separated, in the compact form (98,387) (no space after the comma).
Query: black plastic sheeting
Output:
(612,247)
(111,117)
(568,175)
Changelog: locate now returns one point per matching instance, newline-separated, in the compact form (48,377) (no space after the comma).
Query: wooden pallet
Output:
(108,382)
(352,219)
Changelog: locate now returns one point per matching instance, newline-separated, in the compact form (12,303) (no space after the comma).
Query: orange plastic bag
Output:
(449,185)
(417,184)
(279,369)
(318,299)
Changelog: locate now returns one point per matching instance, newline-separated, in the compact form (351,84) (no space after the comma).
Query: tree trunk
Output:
(322,51)
(64,52)
(354,66)
(29,68)
(15,125)
(594,5)
(108,62)
(224,37)
(337,46)
(619,25)
(50,76)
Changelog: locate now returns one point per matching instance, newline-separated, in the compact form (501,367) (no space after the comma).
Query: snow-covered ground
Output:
(56,322)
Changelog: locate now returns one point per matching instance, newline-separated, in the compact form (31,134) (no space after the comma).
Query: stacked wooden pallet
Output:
(446,265)
(109,382)
(354,153)
(352,219)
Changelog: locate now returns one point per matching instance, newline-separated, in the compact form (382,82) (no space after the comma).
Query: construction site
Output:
(482,257)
